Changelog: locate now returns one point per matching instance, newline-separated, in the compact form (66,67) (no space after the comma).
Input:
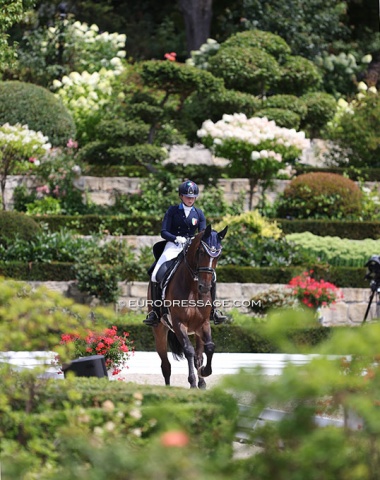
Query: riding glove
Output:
(180,240)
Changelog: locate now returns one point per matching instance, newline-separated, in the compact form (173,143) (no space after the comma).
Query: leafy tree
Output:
(308,27)
(11,12)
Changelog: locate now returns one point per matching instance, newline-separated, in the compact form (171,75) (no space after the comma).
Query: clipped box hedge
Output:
(90,224)
(151,225)
(230,338)
(344,277)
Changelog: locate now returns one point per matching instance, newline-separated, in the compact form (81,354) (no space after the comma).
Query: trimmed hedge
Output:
(353,230)
(230,338)
(38,272)
(345,277)
(90,224)
(150,225)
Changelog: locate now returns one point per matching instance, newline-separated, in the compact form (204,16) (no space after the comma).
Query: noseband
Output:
(212,252)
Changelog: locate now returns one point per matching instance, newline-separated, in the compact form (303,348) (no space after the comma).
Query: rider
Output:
(180,223)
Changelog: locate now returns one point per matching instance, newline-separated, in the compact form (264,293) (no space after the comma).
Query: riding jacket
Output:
(176,224)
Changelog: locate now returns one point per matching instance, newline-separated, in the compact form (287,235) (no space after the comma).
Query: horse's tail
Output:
(175,346)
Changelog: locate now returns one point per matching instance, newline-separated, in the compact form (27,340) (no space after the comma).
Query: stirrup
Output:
(217,317)
(152,319)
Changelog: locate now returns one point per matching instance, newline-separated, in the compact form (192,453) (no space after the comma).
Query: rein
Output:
(212,252)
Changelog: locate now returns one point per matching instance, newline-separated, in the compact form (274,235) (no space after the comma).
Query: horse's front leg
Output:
(209,349)
(161,340)
(198,360)
(189,352)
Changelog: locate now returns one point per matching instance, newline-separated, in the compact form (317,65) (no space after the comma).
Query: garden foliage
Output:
(320,195)
(38,108)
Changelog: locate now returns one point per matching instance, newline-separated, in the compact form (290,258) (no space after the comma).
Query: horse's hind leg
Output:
(160,336)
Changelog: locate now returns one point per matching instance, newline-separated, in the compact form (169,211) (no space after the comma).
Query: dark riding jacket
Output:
(176,224)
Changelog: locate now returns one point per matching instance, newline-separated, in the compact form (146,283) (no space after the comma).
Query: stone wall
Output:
(103,190)
(349,311)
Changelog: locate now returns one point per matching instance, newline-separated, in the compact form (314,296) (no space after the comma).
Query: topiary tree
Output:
(320,195)
(38,108)
(258,62)
(299,74)
(17,225)
(250,70)
(321,108)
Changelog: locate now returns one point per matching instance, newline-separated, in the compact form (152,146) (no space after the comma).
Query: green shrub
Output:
(334,250)
(357,134)
(286,102)
(263,40)
(321,108)
(214,106)
(283,118)
(17,225)
(298,76)
(250,70)
(100,268)
(320,195)
(38,108)
(251,223)
(102,153)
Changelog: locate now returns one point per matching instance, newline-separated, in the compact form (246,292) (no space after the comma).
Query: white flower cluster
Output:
(106,49)
(255,131)
(18,141)
(84,93)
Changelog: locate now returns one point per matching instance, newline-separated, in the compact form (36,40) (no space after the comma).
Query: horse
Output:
(189,302)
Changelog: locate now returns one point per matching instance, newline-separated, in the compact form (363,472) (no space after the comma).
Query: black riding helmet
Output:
(189,189)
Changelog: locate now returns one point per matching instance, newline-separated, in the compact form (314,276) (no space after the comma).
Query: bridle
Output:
(212,252)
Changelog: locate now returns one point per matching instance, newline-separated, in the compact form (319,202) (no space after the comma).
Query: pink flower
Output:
(72,143)
(171,56)
(44,189)
(174,438)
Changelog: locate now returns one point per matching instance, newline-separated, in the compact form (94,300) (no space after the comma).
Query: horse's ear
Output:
(222,234)
(207,232)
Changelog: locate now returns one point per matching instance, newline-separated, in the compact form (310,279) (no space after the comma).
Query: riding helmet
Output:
(189,188)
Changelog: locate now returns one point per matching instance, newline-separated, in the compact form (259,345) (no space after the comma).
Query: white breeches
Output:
(171,251)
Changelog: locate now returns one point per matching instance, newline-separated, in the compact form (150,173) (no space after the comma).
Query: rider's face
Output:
(188,201)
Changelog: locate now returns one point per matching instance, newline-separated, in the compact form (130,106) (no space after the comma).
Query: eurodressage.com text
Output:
(188,303)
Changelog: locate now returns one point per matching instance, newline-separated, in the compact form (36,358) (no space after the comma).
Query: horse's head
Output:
(206,250)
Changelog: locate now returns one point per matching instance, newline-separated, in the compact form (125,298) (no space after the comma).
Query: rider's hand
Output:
(180,240)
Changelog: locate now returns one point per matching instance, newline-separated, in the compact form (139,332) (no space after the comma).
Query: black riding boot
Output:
(216,316)
(153,317)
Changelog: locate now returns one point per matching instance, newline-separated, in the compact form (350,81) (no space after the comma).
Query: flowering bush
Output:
(314,293)
(84,94)
(50,53)
(115,348)
(19,147)
(59,178)
(256,146)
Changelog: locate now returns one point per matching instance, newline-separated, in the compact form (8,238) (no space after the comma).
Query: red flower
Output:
(115,348)
(314,293)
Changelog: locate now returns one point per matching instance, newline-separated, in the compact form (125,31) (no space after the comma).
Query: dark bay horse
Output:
(189,302)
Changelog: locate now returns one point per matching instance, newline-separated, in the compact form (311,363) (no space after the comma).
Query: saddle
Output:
(168,268)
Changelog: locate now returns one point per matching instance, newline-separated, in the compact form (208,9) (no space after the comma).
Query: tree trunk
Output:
(197,15)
